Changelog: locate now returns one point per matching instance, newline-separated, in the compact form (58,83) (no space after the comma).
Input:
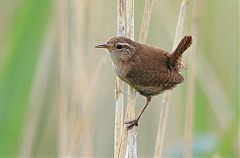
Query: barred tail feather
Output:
(175,58)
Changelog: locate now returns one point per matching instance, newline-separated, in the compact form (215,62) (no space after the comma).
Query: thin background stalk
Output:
(81,87)
(189,114)
(63,123)
(238,153)
(220,105)
(166,95)
(38,92)
(75,87)
(146,20)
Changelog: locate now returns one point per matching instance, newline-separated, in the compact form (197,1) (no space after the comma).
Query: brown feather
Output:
(175,58)
(149,72)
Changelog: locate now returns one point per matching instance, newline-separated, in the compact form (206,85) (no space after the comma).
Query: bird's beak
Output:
(102,46)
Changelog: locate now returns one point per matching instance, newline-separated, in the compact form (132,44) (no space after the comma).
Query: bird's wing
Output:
(153,70)
(153,78)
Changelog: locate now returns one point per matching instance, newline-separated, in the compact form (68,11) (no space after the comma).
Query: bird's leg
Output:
(131,124)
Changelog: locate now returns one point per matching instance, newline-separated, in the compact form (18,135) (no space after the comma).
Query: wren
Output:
(149,70)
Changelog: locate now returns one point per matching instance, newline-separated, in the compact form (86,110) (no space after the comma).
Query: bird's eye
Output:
(119,46)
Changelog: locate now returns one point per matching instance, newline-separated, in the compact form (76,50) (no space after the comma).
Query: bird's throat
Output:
(119,65)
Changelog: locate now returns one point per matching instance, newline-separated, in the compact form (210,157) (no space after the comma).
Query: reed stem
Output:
(130,150)
(132,135)
(189,114)
(119,99)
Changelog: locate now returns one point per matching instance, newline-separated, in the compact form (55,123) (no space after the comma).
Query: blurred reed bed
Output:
(37,101)
(80,88)
(57,92)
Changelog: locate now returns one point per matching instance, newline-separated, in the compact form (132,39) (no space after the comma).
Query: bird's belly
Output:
(154,90)
(149,90)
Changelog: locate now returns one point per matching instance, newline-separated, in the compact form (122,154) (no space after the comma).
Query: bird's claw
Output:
(131,124)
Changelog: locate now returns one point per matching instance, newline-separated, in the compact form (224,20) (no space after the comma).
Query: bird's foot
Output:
(131,124)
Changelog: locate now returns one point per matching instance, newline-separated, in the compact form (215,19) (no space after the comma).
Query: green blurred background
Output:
(57,91)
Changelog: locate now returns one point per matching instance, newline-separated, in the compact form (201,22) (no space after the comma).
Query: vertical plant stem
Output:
(132,135)
(146,20)
(118,115)
(63,130)
(123,151)
(162,125)
(166,95)
(189,115)
(119,84)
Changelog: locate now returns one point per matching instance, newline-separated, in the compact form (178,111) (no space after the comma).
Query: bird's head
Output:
(119,48)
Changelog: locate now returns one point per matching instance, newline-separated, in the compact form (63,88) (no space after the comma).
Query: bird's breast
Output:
(121,70)
(120,66)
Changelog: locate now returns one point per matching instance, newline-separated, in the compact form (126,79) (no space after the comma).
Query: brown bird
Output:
(149,70)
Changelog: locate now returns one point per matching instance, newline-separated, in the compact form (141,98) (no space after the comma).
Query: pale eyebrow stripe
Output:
(125,44)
